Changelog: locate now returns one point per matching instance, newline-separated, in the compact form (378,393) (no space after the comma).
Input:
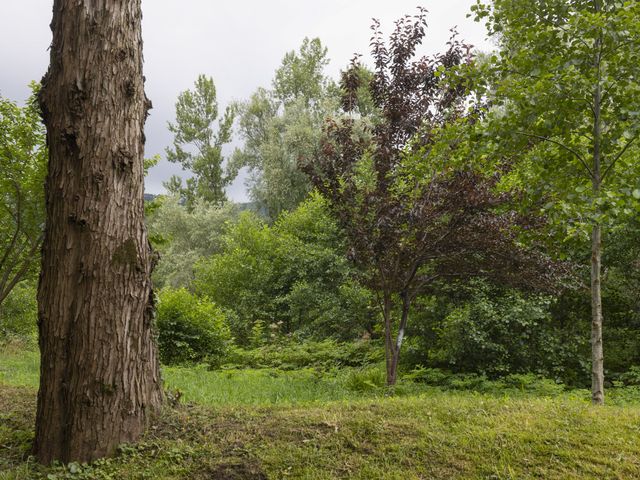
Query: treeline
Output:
(289,282)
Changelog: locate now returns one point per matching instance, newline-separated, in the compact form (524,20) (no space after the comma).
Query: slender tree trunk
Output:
(597,353)
(393,348)
(389,347)
(99,367)
(392,368)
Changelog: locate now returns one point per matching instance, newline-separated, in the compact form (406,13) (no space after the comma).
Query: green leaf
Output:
(636,194)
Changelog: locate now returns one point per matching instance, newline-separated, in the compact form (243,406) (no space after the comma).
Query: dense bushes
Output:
(494,332)
(190,329)
(290,277)
(293,355)
(291,299)
(529,382)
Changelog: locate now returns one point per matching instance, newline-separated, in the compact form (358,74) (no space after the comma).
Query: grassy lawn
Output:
(268,424)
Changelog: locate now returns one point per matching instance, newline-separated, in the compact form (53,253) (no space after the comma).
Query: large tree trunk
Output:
(99,367)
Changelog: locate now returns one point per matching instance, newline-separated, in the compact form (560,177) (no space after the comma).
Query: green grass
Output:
(19,367)
(253,387)
(302,425)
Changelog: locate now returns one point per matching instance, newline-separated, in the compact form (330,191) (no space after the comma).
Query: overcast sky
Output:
(239,43)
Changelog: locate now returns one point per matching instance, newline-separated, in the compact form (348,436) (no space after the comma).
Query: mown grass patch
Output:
(440,435)
(255,424)
(253,387)
(19,366)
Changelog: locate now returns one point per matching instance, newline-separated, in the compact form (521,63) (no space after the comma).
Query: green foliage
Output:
(620,297)
(282,125)
(624,396)
(240,278)
(292,277)
(23,163)
(565,120)
(149,163)
(631,377)
(566,107)
(196,147)
(477,328)
(531,383)
(19,312)
(528,383)
(183,236)
(190,329)
(503,334)
(367,379)
(293,355)
(258,334)
(301,74)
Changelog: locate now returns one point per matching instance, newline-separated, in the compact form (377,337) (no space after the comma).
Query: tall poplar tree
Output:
(197,147)
(99,367)
(565,87)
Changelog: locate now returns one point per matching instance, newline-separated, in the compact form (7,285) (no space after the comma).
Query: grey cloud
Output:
(238,43)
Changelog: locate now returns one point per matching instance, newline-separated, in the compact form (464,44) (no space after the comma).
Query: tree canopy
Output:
(407,231)
(283,124)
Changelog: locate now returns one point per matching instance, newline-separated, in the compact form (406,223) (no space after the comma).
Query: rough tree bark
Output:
(99,367)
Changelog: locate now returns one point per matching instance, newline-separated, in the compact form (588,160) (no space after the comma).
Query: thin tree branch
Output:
(562,145)
(14,262)
(26,264)
(620,153)
(18,219)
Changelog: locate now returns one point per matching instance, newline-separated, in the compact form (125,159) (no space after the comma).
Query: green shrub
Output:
(292,355)
(490,331)
(292,274)
(533,384)
(632,376)
(469,381)
(623,396)
(366,379)
(430,376)
(191,329)
(450,381)
(528,382)
(19,312)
